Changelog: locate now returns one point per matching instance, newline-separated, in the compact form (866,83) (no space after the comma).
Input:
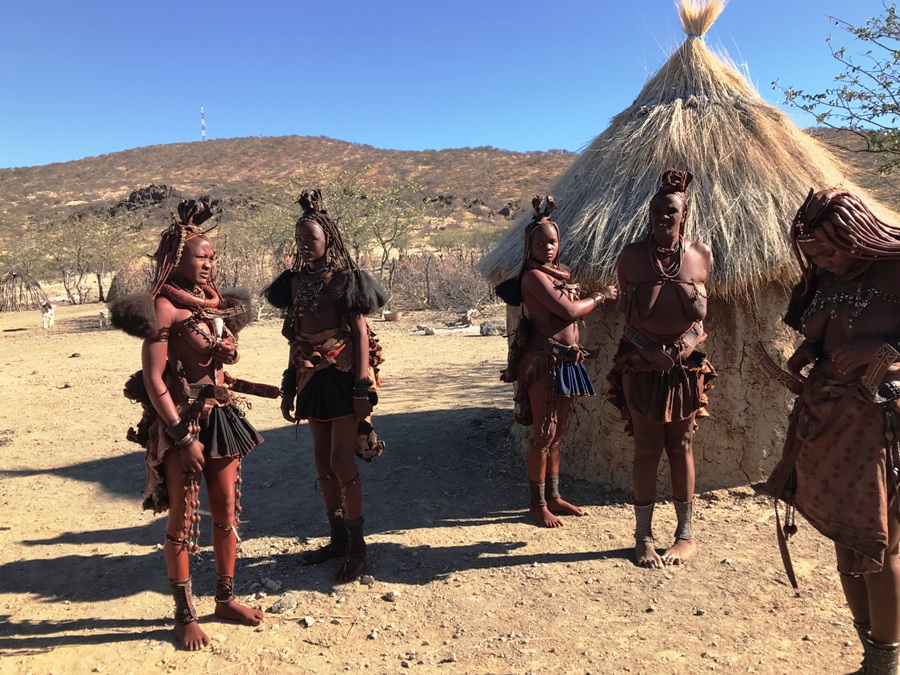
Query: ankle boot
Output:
(356,560)
(339,544)
(880,659)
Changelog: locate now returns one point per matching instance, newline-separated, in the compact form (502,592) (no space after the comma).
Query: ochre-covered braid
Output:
(314,211)
(843,221)
(186,221)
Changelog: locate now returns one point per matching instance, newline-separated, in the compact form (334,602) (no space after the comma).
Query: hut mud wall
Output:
(741,440)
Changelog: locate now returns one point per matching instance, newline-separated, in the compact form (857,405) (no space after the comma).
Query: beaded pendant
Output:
(310,289)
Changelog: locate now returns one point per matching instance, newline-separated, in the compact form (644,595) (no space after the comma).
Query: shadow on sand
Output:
(442,469)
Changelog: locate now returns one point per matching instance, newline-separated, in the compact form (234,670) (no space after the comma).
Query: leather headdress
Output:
(675,180)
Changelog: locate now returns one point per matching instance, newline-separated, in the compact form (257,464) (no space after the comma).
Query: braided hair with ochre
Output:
(841,220)
(314,211)
(510,291)
(186,221)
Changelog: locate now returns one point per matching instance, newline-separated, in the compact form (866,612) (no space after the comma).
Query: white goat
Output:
(47,314)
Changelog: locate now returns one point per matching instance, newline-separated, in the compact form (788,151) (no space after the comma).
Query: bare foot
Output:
(563,508)
(351,567)
(235,611)
(542,516)
(682,551)
(645,555)
(191,636)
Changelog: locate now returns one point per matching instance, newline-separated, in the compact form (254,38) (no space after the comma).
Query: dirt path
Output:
(476,587)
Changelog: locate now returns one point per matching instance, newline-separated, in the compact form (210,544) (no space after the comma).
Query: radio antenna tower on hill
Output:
(202,124)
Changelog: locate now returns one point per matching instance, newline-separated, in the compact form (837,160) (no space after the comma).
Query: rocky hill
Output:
(235,170)
(485,181)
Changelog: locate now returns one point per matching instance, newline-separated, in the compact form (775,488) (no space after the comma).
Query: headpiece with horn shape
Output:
(675,180)
(311,203)
(547,202)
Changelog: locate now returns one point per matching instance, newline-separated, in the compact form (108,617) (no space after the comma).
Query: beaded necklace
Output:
(309,290)
(858,300)
(666,272)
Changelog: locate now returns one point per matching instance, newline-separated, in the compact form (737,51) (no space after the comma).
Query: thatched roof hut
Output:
(134,277)
(20,291)
(752,168)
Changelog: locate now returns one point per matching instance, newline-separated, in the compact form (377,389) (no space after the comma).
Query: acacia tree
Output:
(252,245)
(70,252)
(27,252)
(370,209)
(392,216)
(88,245)
(114,238)
(865,97)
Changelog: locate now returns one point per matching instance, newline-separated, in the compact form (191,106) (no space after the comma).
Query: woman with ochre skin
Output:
(842,451)
(332,371)
(195,433)
(659,377)
(545,359)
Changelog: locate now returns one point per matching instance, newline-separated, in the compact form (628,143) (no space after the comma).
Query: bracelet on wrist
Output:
(361,387)
(178,430)
(289,383)
(186,442)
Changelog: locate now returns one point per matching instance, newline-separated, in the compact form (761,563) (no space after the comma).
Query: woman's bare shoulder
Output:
(163,307)
(699,248)
(535,279)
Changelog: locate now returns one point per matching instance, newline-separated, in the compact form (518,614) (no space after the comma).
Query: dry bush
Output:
(253,272)
(444,281)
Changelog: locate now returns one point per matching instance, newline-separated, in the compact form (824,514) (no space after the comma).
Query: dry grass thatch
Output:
(134,277)
(19,291)
(752,169)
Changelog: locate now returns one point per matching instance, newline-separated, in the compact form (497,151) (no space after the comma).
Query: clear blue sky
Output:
(87,77)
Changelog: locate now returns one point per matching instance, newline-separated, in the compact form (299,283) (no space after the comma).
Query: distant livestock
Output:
(104,318)
(47,314)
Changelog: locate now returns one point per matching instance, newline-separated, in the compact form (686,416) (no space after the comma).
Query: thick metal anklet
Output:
(184,605)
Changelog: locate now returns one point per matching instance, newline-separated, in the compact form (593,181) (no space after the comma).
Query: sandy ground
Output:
(476,587)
